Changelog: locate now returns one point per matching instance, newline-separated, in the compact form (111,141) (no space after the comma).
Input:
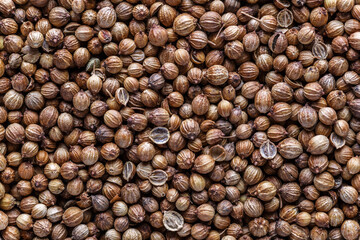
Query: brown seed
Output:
(350,229)
(158,36)
(184,24)
(72,216)
(173,221)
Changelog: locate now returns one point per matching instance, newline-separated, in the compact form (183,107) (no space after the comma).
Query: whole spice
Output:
(179,119)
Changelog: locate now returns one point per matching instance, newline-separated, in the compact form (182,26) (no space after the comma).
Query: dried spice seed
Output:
(285,18)
(173,221)
(320,50)
(158,177)
(179,119)
(268,150)
(159,135)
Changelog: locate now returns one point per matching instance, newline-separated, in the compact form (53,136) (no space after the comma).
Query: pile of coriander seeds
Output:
(179,119)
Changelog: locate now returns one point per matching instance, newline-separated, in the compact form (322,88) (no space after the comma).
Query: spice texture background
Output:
(179,119)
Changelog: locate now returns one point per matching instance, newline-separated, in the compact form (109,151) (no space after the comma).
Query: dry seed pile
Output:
(179,119)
